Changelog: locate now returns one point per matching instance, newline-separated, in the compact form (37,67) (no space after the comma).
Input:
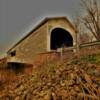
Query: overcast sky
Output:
(17,17)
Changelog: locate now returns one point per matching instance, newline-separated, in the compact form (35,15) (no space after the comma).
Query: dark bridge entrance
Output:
(60,38)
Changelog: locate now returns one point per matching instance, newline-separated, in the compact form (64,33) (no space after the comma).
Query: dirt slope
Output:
(77,79)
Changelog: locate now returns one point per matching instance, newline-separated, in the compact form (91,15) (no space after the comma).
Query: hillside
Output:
(74,79)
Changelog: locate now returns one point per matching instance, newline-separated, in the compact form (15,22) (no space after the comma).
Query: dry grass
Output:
(73,77)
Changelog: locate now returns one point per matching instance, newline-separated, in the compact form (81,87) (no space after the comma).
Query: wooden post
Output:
(78,42)
(61,53)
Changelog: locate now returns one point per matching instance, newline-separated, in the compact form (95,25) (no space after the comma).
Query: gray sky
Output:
(17,17)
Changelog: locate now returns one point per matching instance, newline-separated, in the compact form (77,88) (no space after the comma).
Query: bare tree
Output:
(84,38)
(91,18)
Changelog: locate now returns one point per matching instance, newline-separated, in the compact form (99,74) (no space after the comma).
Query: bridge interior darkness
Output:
(60,38)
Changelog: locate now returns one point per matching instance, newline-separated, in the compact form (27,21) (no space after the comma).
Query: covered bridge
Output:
(51,34)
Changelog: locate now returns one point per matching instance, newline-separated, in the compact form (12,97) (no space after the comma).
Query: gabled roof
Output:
(39,25)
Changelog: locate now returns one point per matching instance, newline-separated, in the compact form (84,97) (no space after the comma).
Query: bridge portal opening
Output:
(60,38)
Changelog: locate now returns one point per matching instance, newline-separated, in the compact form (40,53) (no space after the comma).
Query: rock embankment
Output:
(78,79)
